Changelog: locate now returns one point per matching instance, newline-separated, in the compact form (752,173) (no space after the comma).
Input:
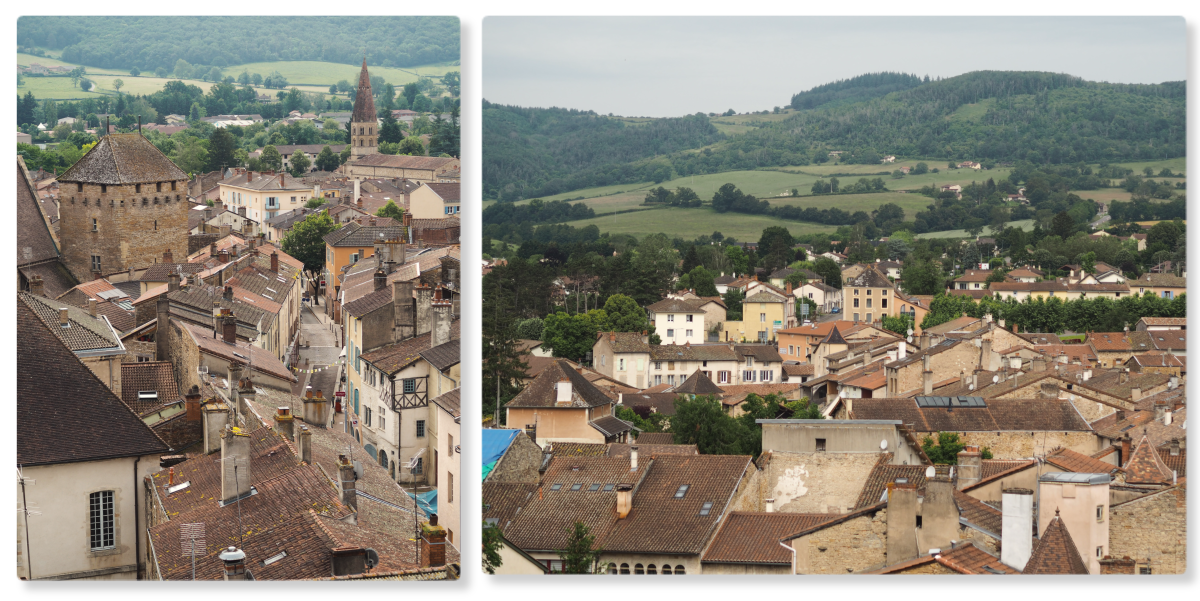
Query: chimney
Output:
(633,466)
(923,341)
(770,505)
(304,445)
(939,513)
(275,261)
(1160,411)
(173,282)
(162,329)
(234,561)
(1017,527)
(208,213)
(349,560)
(1174,447)
(1173,382)
(1000,323)
(789,288)
(36,286)
(227,293)
(433,543)
(347,477)
(191,402)
(92,307)
(215,416)
(229,327)
(441,323)
(212,249)
(249,176)
(563,393)
(224,255)
(241,213)
(903,351)
(359,203)
(282,179)
(167,257)
(1049,391)
(357,189)
(1135,393)
(424,300)
(316,409)
(901,522)
(1123,377)
(284,423)
(235,464)
(1039,364)
(928,382)
(380,279)
(1120,415)
(1126,449)
(1087,374)
(404,323)
(970,466)
(624,500)
(1113,565)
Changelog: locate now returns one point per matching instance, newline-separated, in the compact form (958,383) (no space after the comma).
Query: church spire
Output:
(364,101)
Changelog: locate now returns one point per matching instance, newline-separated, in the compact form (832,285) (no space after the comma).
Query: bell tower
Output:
(364,123)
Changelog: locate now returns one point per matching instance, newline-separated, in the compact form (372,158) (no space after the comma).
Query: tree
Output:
(690,259)
(569,336)
(344,155)
(412,146)
(27,106)
(997,275)
(161,72)
(945,450)
(271,159)
(922,277)
(503,367)
(299,163)
(492,541)
(390,131)
(118,84)
(422,104)
(581,556)
(191,156)
(314,202)
(221,148)
(306,241)
(624,315)
(391,209)
(737,259)
(1063,225)
(829,271)
(699,280)
(920,169)
(326,160)
(531,329)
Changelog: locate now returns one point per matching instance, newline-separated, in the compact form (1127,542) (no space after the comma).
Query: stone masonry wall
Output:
(852,546)
(944,365)
(520,462)
(1152,528)
(1025,445)
(816,482)
(133,228)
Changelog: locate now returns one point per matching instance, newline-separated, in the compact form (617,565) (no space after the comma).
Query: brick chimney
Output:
(162,329)
(224,256)
(902,522)
(441,323)
(173,282)
(424,301)
(227,293)
(36,286)
(235,464)
(96,276)
(347,478)
(403,307)
(1016,527)
(562,391)
(282,179)
(249,176)
(380,279)
(1126,449)
(229,327)
(624,500)
(433,543)
(191,402)
(167,257)
(1112,565)
(214,418)
(275,261)
(234,562)
(284,423)
(304,444)
(970,466)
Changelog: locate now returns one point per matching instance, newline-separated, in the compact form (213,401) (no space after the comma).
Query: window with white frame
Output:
(671,379)
(367,417)
(670,333)
(748,375)
(688,333)
(102,520)
(670,317)
(383,418)
(765,375)
(657,380)
(689,318)
(723,377)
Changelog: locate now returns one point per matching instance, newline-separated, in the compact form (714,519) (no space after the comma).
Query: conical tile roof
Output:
(1145,466)
(1056,552)
(119,159)
(364,102)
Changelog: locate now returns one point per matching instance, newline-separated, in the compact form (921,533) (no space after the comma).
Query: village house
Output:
(264,195)
(560,405)
(763,315)
(434,201)
(678,321)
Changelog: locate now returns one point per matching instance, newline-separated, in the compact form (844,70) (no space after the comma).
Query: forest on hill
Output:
(1042,118)
(540,152)
(855,89)
(148,43)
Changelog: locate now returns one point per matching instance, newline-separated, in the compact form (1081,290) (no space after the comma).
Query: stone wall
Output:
(944,365)
(855,545)
(133,228)
(744,569)
(520,463)
(981,540)
(1026,445)
(184,356)
(1154,529)
(815,482)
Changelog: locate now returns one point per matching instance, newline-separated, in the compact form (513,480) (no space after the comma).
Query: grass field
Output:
(911,203)
(740,124)
(1025,224)
(317,73)
(1177,165)
(690,223)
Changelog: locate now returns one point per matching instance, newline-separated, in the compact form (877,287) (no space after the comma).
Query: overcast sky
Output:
(670,66)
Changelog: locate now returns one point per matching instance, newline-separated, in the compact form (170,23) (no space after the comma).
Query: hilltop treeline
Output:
(152,42)
(532,152)
(856,89)
(1042,118)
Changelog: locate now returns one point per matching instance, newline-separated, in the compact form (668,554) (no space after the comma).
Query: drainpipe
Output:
(137,536)
(793,550)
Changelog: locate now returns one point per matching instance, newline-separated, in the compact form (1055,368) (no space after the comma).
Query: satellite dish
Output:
(995,379)
(372,558)
(910,331)
(883,444)
(930,472)
(910,338)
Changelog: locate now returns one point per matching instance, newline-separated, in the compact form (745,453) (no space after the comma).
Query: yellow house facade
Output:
(762,318)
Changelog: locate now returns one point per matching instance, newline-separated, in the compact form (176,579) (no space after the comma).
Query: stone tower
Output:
(122,206)
(364,124)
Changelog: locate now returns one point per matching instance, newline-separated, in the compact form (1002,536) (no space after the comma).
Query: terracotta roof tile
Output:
(541,392)
(157,376)
(751,537)
(123,159)
(1145,466)
(999,415)
(655,438)
(1056,552)
(394,357)
(626,342)
(885,473)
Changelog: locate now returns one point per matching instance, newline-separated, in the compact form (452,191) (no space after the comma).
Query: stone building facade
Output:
(124,205)
(1152,530)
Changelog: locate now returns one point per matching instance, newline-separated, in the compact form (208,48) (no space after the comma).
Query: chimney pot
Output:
(624,500)
(633,458)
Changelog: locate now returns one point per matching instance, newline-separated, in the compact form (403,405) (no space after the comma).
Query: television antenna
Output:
(189,536)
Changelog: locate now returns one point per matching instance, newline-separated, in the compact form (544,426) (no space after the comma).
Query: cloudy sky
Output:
(670,66)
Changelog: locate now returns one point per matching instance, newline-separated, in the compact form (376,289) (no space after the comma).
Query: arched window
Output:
(624,568)
(667,569)
(612,568)
(651,569)
(679,571)
(383,460)
(638,569)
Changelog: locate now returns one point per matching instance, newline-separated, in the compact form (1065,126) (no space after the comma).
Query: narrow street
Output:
(319,351)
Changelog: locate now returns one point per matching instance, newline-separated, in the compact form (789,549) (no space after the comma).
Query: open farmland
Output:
(323,73)
(690,223)
(1025,224)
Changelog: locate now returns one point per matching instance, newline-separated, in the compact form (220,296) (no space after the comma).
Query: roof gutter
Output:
(793,555)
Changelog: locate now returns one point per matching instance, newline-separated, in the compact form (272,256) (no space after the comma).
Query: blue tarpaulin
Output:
(495,443)
(427,501)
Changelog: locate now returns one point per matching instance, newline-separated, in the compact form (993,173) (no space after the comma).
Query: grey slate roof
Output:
(84,333)
(443,356)
(34,241)
(123,159)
